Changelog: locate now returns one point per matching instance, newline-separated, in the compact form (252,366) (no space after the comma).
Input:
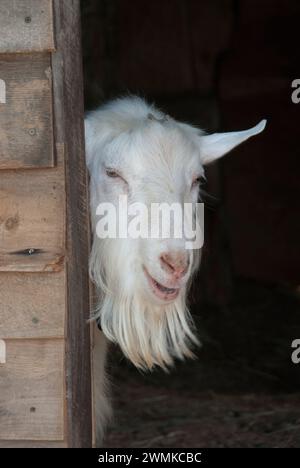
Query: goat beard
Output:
(149,335)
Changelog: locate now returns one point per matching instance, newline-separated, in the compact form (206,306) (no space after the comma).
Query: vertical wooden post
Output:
(69,136)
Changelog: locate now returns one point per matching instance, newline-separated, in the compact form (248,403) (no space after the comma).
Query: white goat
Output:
(132,148)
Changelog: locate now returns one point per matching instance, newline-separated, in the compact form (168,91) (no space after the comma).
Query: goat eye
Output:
(111,173)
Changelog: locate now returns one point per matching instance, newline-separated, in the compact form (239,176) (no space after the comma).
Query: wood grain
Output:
(26,128)
(69,113)
(26,26)
(45,384)
(32,305)
(32,205)
(31,390)
(31,444)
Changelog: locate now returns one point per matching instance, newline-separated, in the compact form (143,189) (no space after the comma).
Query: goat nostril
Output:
(175,264)
(167,263)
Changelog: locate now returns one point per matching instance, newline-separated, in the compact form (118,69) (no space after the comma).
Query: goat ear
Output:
(218,144)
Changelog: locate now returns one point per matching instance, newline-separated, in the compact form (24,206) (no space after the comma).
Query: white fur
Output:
(159,158)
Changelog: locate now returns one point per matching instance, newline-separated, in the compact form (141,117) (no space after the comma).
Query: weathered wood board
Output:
(32,305)
(26,127)
(45,381)
(26,25)
(32,220)
(31,390)
(69,129)
(32,444)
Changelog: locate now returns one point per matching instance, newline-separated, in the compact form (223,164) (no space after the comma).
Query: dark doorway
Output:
(221,65)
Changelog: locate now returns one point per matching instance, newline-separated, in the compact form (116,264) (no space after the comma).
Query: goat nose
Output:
(175,263)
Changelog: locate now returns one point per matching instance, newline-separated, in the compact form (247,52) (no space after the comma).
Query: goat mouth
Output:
(161,291)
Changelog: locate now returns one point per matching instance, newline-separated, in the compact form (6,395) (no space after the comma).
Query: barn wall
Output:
(45,393)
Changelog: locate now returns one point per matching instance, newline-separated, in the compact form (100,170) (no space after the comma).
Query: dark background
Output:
(222,65)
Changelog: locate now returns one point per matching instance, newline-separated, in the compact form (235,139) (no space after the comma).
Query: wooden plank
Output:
(26,26)
(32,206)
(68,92)
(26,262)
(32,305)
(31,390)
(31,444)
(26,127)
